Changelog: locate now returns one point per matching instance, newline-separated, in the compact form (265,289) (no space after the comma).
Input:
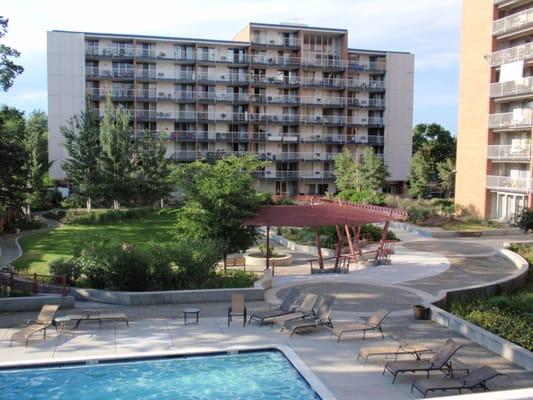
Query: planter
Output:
(255,261)
(420,312)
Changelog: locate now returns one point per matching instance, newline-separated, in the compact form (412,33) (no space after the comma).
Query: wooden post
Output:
(268,248)
(382,242)
(319,249)
(349,238)
(340,239)
(34,285)
(357,236)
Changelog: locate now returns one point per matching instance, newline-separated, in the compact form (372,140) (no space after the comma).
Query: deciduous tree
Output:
(8,68)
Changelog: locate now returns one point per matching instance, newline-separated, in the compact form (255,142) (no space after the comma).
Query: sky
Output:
(428,28)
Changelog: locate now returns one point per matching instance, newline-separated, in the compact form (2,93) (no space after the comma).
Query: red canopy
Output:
(324,213)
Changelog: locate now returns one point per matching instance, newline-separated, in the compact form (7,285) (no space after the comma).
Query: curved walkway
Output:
(420,270)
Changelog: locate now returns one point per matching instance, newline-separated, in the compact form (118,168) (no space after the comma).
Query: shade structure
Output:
(324,213)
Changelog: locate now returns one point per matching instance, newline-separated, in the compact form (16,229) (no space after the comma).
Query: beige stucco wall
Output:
(472,130)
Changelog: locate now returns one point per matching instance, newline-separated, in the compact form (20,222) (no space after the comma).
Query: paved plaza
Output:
(420,268)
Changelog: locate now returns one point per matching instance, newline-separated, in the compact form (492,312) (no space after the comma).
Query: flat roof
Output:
(150,37)
(298,27)
(377,51)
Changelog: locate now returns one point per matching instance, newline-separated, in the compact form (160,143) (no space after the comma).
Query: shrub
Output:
(61,266)
(363,197)
(525,220)
(285,201)
(231,279)
(24,225)
(107,216)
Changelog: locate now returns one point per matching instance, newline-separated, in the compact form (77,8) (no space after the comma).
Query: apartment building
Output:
(291,94)
(494,167)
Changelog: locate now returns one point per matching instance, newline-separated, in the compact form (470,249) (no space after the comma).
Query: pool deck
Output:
(161,328)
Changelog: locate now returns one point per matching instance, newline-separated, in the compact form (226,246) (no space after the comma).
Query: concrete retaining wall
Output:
(438,233)
(165,297)
(301,248)
(494,343)
(31,303)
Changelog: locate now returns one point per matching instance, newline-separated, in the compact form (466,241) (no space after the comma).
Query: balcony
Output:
(518,119)
(512,54)
(520,87)
(291,43)
(509,152)
(365,85)
(509,3)
(509,184)
(513,23)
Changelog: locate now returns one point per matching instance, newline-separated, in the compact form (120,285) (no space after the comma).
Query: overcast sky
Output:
(430,29)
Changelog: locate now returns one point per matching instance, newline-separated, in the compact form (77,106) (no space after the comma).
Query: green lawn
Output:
(41,248)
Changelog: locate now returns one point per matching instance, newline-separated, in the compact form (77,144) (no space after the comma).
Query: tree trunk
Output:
(89,205)
(225,263)
(116,205)
(162,202)
(28,213)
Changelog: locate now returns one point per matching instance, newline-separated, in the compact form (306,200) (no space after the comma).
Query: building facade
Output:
(494,168)
(294,95)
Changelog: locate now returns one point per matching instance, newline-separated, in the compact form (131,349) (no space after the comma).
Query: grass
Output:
(470,225)
(41,248)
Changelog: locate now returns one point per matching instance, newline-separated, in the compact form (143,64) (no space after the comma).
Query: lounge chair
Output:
(305,309)
(439,361)
(286,307)
(237,308)
(322,317)
(374,323)
(44,320)
(98,316)
(476,379)
(394,350)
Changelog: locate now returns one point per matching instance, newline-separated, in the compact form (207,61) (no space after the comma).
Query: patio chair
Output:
(99,316)
(394,350)
(476,379)
(305,309)
(439,361)
(322,317)
(44,320)
(286,307)
(374,323)
(237,308)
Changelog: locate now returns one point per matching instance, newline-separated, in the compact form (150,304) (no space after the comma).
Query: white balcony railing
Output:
(513,23)
(518,118)
(507,183)
(517,87)
(509,152)
(512,54)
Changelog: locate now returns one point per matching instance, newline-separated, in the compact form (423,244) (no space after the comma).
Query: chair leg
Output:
(244,319)
(364,333)
(382,334)
(395,376)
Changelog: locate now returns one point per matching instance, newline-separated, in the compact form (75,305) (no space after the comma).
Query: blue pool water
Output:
(251,376)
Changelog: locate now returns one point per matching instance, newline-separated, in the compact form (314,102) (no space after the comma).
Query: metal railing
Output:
(512,88)
(513,23)
(507,183)
(518,118)
(285,42)
(512,54)
(509,152)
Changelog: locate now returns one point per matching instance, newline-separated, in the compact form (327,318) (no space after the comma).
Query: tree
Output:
(446,173)
(82,143)
(373,171)
(118,166)
(218,198)
(154,168)
(35,143)
(420,175)
(12,161)
(8,69)
(348,173)
(440,141)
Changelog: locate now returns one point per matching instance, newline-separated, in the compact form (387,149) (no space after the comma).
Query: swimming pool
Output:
(265,374)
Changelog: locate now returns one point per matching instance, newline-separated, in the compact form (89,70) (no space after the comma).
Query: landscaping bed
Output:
(509,315)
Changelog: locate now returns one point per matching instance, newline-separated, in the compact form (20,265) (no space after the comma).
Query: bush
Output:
(285,201)
(61,266)
(363,197)
(24,225)
(525,220)
(107,216)
(231,279)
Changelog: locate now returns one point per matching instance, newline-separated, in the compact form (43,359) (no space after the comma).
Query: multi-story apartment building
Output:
(294,95)
(494,163)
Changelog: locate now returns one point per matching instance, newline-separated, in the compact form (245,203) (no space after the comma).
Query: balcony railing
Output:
(517,87)
(509,152)
(513,23)
(518,118)
(510,184)
(512,54)
(285,42)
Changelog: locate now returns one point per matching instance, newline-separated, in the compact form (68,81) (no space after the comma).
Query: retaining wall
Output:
(31,303)
(494,343)
(440,233)
(166,297)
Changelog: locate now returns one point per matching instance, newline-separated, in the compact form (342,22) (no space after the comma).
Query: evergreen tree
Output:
(83,147)
(154,168)
(420,175)
(35,143)
(118,166)
(446,172)
(373,171)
